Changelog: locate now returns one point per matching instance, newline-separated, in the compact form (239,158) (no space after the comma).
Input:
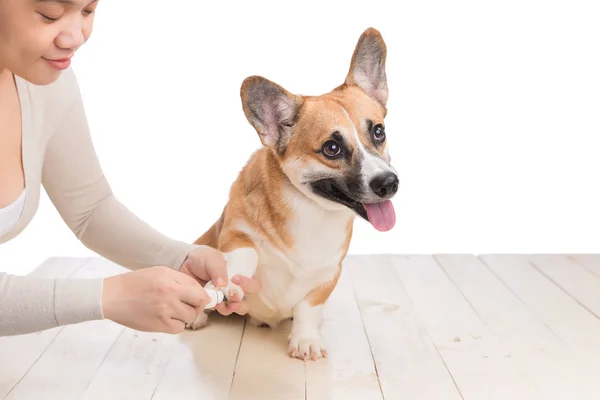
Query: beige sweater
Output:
(58,153)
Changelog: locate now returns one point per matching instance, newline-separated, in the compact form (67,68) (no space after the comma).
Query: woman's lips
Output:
(59,63)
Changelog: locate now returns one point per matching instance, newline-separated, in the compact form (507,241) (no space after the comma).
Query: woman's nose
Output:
(71,37)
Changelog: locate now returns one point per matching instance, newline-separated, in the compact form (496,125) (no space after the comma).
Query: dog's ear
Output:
(271,110)
(367,68)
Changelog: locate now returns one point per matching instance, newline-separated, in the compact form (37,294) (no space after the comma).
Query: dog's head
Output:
(333,147)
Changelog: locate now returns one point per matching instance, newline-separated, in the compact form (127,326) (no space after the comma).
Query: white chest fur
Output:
(288,276)
(319,235)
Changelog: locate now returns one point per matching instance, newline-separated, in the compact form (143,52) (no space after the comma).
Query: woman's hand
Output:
(156,299)
(207,264)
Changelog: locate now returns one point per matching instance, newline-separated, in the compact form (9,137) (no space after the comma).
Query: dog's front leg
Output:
(305,340)
(242,259)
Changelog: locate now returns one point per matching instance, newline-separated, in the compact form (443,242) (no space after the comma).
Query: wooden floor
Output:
(397,327)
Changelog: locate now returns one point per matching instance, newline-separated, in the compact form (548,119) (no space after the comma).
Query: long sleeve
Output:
(57,141)
(76,185)
(31,304)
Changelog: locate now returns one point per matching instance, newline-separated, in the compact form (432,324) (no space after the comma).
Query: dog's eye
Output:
(331,148)
(379,133)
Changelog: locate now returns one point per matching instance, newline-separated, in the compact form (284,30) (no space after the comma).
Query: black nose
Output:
(385,185)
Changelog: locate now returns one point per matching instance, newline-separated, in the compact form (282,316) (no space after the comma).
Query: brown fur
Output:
(255,197)
(321,294)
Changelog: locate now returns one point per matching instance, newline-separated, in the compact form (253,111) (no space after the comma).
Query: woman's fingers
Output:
(184,312)
(194,296)
(226,308)
(235,304)
(248,285)
(174,326)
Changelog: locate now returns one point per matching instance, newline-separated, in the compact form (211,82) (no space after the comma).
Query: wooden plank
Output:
(571,276)
(481,367)
(203,362)
(408,362)
(349,371)
(264,370)
(574,325)
(554,369)
(69,363)
(144,365)
(590,261)
(24,350)
(133,367)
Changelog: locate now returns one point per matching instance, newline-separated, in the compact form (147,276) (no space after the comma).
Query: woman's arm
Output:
(30,304)
(76,185)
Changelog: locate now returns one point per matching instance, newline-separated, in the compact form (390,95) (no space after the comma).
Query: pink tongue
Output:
(381,215)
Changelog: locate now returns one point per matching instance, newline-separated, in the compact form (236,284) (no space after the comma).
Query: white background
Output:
(494,115)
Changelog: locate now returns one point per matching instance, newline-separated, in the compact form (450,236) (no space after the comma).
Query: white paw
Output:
(229,291)
(233,291)
(242,261)
(307,344)
(200,322)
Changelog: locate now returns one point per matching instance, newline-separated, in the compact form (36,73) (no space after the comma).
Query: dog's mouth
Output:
(381,215)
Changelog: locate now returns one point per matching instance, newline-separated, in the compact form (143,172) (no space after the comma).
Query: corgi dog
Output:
(324,161)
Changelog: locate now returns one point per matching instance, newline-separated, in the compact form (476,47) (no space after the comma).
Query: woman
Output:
(44,139)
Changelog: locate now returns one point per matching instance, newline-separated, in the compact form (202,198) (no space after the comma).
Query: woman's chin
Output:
(40,74)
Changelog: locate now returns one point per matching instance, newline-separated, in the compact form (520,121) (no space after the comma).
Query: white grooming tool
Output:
(216,298)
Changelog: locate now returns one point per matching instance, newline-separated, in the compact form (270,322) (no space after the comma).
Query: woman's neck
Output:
(5,74)
(7,84)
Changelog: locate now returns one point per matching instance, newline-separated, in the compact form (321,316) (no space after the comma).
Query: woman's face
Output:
(38,37)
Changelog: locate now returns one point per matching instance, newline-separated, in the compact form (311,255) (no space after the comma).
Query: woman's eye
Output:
(49,18)
(331,149)
(379,133)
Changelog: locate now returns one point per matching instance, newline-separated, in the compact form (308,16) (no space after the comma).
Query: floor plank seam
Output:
(437,350)
(162,376)
(33,364)
(362,320)
(439,264)
(305,381)
(369,343)
(164,372)
(237,357)
(485,324)
(520,300)
(582,265)
(559,286)
(103,359)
